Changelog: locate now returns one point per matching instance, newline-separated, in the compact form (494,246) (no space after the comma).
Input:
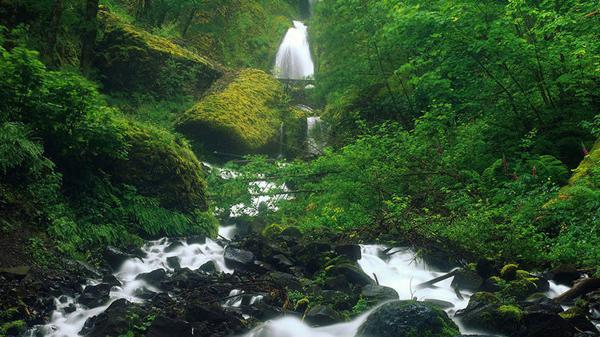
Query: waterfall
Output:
(311,6)
(294,61)
(315,135)
(281,140)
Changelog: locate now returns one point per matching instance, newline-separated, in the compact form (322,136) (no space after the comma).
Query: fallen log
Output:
(437,279)
(581,287)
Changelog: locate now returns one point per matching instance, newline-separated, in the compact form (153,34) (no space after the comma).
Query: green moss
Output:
(272,230)
(162,166)
(510,313)
(509,271)
(485,297)
(14,328)
(582,172)
(241,114)
(9,314)
(131,59)
(519,289)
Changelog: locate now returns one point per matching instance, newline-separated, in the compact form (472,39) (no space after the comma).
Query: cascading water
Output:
(315,136)
(294,61)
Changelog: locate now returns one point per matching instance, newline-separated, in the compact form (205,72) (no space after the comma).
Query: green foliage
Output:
(361,306)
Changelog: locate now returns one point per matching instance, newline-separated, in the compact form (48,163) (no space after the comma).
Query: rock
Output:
(144,293)
(173,246)
(173,262)
(465,279)
(565,274)
(114,321)
(376,293)
(485,268)
(311,255)
(292,232)
(17,273)
(485,312)
(285,280)
(509,272)
(282,262)
(352,252)
(353,274)
(112,280)
(163,326)
(199,312)
(320,315)
(239,259)
(70,308)
(408,319)
(196,240)
(208,267)
(441,304)
(492,284)
(542,324)
(538,302)
(95,296)
(153,278)
(115,257)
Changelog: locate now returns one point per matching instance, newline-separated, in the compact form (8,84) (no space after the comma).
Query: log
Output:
(432,282)
(581,287)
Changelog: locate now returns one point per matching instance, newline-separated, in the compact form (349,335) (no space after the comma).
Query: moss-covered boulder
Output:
(408,319)
(583,174)
(132,60)
(242,113)
(163,166)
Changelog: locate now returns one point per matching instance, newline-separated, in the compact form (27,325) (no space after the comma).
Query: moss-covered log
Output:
(163,166)
(132,60)
(242,113)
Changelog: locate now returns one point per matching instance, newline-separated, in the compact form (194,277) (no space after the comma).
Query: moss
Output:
(272,230)
(134,60)
(162,166)
(510,313)
(485,297)
(14,328)
(241,114)
(520,289)
(522,274)
(582,172)
(9,314)
(509,271)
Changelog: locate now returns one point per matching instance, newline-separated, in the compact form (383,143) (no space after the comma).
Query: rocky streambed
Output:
(289,284)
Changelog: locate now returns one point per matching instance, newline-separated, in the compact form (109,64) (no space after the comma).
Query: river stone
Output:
(292,232)
(377,293)
(115,257)
(408,319)
(465,279)
(173,246)
(95,296)
(542,324)
(353,273)
(167,327)
(352,252)
(320,315)
(208,267)
(153,278)
(565,274)
(173,262)
(112,280)
(15,272)
(239,258)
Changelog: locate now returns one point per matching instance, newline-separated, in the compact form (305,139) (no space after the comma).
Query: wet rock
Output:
(543,324)
(376,293)
(173,262)
(353,273)
(292,232)
(196,240)
(115,257)
(485,312)
(465,279)
(310,256)
(112,280)
(70,308)
(407,319)
(540,303)
(485,268)
(492,284)
(167,327)
(265,312)
(15,273)
(199,312)
(153,278)
(441,304)
(144,293)
(565,274)
(352,252)
(239,259)
(282,262)
(285,280)
(173,246)
(509,272)
(95,296)
(209,267)
(112,322)
(320,315)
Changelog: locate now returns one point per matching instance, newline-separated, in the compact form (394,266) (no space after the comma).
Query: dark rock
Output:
(465,279)
(285,280)
(112,280)
(112,322)
(115,258)
(543,324)
(239,259)
(492,284)
(262,267)
(442,304)
(375,293)
(310,256)
(292,232)
(282,262)
(320,315)
(95,296)
(352,252)
(199,312)
(485,268)
(15,273)
(173,262)
(173,246)
(167,327)
(265,312)
(353,273)
(144,293)
(196,240)
(540,303)
(565,274)
(70,308)
(485,312)
(153,278)
(208,267)
(408,319)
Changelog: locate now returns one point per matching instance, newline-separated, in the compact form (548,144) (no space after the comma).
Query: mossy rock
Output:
(132,60)
(241,114)
(162,166)
(509,271)
(14,328)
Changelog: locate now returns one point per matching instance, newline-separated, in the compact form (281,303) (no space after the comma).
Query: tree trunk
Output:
(53,30)
(88,37)
(580,288)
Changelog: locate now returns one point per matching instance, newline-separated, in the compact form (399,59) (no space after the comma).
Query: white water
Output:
(294,61)
(315,136)
(192,256)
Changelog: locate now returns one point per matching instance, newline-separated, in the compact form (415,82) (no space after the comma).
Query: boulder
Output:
(485,312)
(465,279)
(15,272)
(115,257)
(542,324)
(285,280)
(153,278)
(239,259)
(292,232)
(408,319)
(112,280)
(353,273)
(208,267)
(173,262)
(95,296)
(163,326)
(565,274)
(376,293)
(173,246)
(352,252)
(320,315)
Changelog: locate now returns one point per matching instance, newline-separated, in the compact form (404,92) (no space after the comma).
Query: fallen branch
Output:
(580,288)
(432,282)
(376,279)
(458,294)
